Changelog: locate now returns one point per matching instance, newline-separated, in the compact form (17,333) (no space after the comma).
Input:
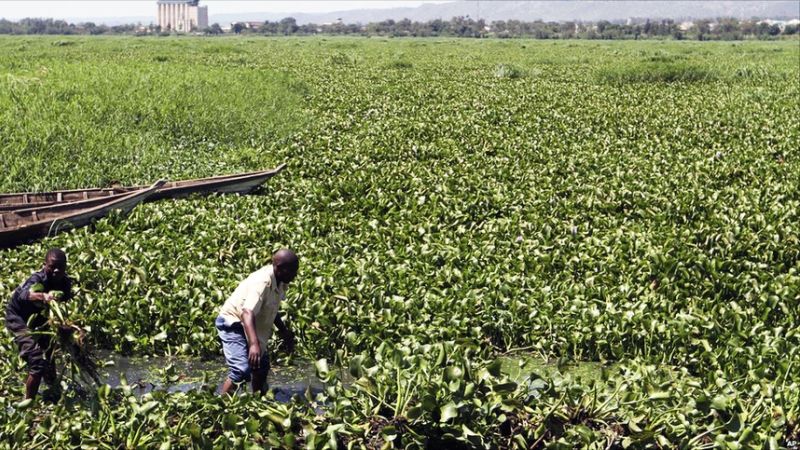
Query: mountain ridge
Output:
(557,11)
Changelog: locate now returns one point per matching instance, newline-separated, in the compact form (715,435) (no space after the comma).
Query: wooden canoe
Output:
(225,184)
(25,225)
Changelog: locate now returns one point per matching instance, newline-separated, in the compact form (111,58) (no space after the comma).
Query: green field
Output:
(626,206)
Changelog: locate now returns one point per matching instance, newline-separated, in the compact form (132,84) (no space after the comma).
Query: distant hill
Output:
(543,10)
(520,10)
(110,21)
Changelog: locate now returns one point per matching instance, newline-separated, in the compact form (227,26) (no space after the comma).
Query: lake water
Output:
(182,374)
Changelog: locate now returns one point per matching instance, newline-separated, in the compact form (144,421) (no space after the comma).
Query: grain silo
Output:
(182,15)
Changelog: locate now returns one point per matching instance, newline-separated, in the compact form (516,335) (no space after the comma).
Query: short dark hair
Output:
(285,257)
(55,254)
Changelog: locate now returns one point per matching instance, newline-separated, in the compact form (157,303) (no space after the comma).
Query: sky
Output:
(18,9)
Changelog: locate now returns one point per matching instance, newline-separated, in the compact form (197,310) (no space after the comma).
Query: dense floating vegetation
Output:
(452,202)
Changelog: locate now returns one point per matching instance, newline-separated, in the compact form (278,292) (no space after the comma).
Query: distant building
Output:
(182,15)
(782,24)
(246,25)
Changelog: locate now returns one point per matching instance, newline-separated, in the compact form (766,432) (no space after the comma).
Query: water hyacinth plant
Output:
(633,232)
(70,346)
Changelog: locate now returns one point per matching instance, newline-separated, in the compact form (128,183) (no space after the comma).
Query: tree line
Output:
(52,26)
(719,29)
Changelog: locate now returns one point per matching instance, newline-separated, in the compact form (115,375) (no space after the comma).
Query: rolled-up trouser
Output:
(234,346)
(36,351)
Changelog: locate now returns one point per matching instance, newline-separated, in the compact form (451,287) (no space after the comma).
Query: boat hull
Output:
(226,184)
(27,225)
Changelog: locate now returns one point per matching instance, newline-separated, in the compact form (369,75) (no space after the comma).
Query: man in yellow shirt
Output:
(245,321)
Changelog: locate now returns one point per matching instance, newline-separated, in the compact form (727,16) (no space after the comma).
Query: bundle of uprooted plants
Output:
(70,343)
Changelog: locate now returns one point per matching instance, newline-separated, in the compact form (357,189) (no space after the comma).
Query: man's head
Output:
(285,265)
(55,263)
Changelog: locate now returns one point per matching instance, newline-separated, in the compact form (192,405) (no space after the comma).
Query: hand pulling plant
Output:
(70,344)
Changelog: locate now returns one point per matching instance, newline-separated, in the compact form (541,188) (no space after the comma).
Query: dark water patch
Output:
(521,367)
(180,374)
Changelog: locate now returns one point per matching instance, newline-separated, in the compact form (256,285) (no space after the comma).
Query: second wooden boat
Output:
(26,225)
(225,184)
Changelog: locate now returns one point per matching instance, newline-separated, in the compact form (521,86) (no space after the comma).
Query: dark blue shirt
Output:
(20,309)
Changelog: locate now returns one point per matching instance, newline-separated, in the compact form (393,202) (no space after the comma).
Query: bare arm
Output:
(254,349)
(40,297)
(286,333)
(27,294)
(279,324)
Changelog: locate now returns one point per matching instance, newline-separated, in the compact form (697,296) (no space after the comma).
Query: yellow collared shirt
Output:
(261,293)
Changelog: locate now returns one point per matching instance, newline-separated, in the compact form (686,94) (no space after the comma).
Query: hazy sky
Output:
(16,9)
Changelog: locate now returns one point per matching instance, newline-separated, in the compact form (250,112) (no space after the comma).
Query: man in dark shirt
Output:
(26,317)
